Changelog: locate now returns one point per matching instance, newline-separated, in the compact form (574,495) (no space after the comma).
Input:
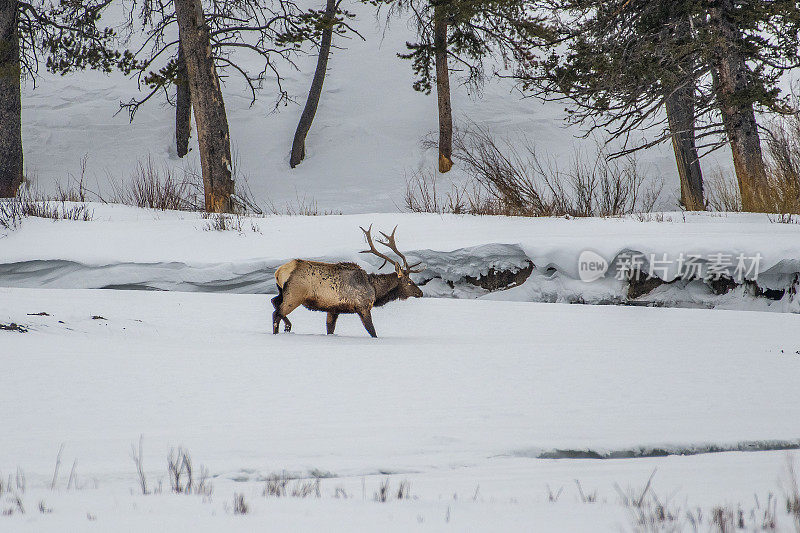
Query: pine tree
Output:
(622,65)
(680,68)
(750,44)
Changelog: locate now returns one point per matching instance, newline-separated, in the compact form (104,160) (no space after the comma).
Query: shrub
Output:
(507,180)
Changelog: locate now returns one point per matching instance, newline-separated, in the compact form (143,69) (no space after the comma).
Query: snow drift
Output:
(464,256)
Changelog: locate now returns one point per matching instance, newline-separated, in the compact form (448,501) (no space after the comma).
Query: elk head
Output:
(405,287)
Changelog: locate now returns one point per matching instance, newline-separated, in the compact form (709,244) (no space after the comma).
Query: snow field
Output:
(437,401)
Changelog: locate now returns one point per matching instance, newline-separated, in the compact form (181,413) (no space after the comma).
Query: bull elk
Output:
(342,287)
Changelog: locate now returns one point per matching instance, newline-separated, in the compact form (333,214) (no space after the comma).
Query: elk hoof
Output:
(287,328)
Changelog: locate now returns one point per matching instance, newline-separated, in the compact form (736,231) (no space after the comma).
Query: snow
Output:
(464,398)
(177,251)
(364,144)
(453,390)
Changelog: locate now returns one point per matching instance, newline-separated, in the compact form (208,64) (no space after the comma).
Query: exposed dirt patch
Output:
(496,280)
(643,284)
(13,327)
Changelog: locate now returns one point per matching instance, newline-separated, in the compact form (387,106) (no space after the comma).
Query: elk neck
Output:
(386,288)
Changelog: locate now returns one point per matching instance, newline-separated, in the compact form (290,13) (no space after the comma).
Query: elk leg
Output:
(331,322)
(276,316)
(284,310)
(366,319)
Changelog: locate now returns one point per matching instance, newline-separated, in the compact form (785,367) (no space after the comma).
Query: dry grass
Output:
(722,192)
(517,181)
(782,159)
(423,195)
(31,202)
(385,493)
(156,188)
(239,505)
(182,479)
(302,206)
(278,486)
(792,493)
(783,166)
(136,456)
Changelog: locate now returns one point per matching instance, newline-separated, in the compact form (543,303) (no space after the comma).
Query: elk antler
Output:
(373,250)
(392,245)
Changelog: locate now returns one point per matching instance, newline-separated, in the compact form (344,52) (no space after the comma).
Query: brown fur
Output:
(336,288)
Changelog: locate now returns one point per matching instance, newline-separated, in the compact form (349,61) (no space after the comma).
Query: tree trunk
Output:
(299,143)
(443,89)
(731,84)
(183,107)
(680,114)
(209,107)
(10,101)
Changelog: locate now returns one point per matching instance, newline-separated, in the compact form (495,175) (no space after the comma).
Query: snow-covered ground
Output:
(459,397)
(478,403)
(138,248)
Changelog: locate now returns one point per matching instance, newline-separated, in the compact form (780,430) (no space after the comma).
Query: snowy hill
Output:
(364,142)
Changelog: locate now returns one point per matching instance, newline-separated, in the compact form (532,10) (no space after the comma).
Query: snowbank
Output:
(125,247)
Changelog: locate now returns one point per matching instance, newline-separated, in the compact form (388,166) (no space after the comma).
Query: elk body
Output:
(342,287)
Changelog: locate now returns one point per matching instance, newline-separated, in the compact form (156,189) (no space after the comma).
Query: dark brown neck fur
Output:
(386,288)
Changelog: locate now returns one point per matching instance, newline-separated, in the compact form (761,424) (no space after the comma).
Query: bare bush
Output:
(404,491)
(423,196)
(304,489)
(727,520)
(30,203)
(783,166)
(302,206)
(586,498)
(507,180)
(10,214)
(223,222)
(722,192)
(136,455)
(159,189)
(383,495)
(179,467)
(182,479)
(239,505)
(792,493)
(276,485)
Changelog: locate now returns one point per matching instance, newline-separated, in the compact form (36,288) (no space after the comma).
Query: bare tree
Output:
(212,39)
(328,24)
(10,102)
(208,105)
(443,89)
(183,106)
